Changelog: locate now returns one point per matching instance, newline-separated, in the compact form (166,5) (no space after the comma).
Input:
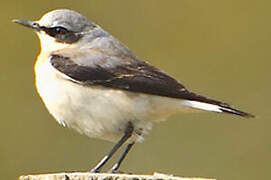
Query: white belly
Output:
(98,112)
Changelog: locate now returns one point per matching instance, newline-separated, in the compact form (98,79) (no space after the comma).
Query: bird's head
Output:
(61,28)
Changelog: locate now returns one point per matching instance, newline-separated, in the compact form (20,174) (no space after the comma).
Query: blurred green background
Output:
(220,49)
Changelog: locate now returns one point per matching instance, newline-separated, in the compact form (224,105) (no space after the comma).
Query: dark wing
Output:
(128,74)
(136,77)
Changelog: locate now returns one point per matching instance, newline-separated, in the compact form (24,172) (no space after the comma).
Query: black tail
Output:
(228,109)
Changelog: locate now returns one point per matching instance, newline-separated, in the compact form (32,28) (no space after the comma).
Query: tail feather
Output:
(220,108)
(231,110)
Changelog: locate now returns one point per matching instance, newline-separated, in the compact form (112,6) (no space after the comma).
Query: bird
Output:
(91,82)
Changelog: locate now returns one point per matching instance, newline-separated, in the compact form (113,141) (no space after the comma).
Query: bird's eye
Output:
(61,34)
(55,31)
(60,30)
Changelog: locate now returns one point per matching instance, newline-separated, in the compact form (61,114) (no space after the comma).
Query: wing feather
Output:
(94,67)
(121,71)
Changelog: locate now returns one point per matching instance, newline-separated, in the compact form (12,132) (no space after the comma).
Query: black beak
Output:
(30,24)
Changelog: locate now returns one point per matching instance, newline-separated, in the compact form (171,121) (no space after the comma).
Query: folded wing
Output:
(120,71)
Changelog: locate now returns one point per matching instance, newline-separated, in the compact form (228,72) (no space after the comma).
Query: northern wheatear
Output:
(91,82)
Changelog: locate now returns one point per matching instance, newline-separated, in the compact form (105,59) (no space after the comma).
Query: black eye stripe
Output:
(61,34)
(54,31)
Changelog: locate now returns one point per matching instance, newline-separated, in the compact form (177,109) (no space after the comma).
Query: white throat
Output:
(48,43)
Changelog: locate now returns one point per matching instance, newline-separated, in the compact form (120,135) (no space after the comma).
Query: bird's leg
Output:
(116,166)
(127,134)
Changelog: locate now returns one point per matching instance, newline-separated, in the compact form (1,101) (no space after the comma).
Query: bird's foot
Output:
(94,170)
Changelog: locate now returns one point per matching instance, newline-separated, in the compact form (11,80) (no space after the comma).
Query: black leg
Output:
(116,166)
(127,134)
